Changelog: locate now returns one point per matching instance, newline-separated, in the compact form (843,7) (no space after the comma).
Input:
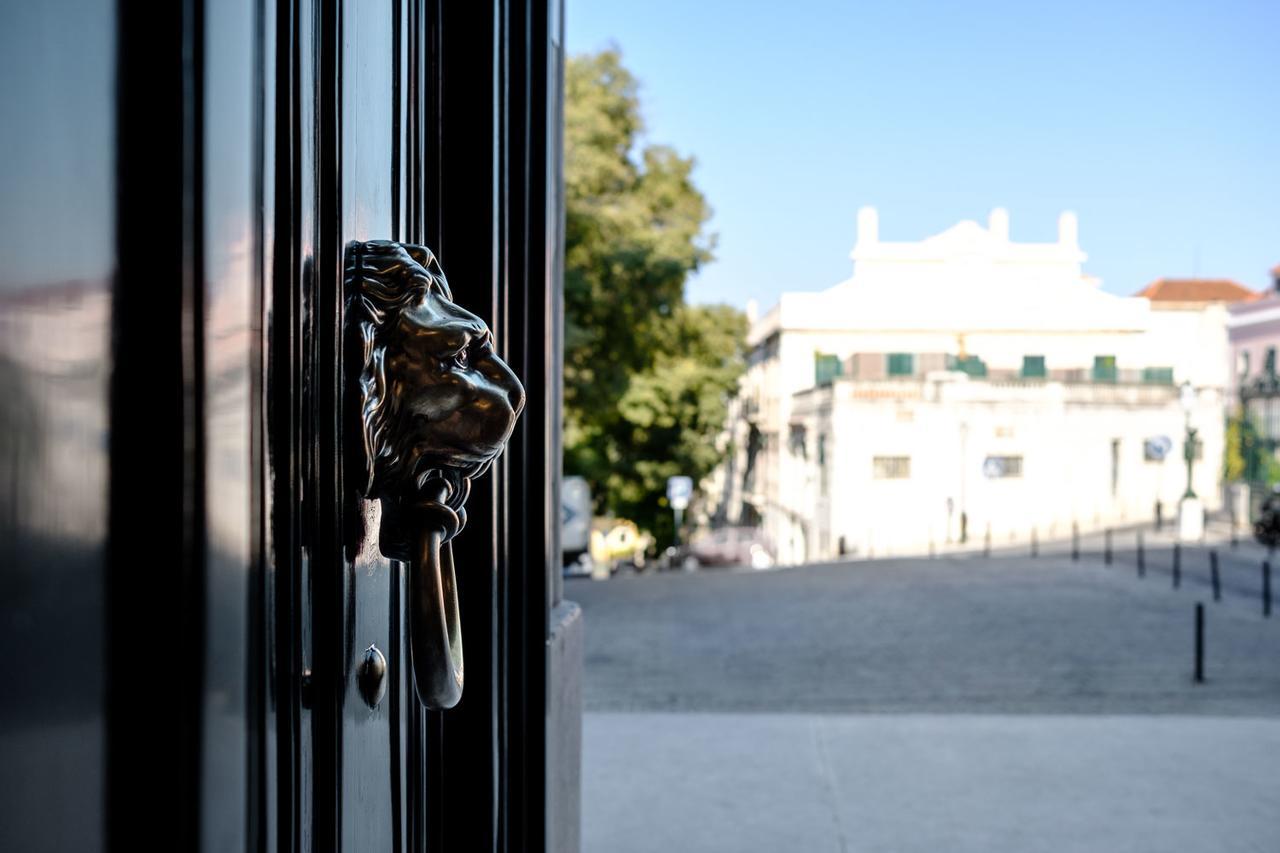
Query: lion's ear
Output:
(421,254)
(427,259)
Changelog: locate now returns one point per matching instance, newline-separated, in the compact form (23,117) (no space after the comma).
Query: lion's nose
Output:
(505,378)
(516,395)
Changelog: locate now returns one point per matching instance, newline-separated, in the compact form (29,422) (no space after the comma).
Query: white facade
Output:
(1102,376)
(902,461)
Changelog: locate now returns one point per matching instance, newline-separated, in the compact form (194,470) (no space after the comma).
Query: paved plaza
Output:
(958,703)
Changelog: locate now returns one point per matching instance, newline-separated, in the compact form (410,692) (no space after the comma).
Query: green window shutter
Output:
(901,364)
(826,368)
(1033,367)
(972,366)
(1157,375)
(1104,368)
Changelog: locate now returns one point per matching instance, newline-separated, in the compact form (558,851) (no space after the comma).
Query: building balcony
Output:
(1078,387)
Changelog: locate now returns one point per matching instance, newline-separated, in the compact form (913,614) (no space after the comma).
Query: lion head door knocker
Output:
(435,407)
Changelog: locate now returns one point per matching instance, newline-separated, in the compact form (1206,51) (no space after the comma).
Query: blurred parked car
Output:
(1267,528)
(678,557)
(575,524)
(732,546)
(575,527)
(581,566)
(618,543)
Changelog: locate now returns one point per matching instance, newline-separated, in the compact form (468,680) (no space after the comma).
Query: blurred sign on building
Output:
(1157,449)
(679,491)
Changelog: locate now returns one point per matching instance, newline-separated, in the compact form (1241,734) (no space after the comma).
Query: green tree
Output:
(647,377)
(1234,464)
(1246,457)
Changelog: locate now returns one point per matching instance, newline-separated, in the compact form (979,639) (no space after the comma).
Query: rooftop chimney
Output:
(868,226)
(998,223)
(1068,229)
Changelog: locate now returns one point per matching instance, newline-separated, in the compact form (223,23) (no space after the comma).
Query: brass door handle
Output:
(433,405)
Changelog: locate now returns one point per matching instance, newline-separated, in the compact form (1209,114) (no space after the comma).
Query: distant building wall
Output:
(905,460)
(1254,333)
(971,300)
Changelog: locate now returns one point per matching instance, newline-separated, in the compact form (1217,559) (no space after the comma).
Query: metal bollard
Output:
(1035,543)
(986,541)
(1106,547)
(1177,565)
(1214,577)
(1266,588)
(1142,561)
(1075,541)
(1199,643)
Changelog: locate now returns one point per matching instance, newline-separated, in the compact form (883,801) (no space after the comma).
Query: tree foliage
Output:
(1246,457)
(647,377)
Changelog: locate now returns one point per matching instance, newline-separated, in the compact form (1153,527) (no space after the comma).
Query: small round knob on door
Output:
(371,677)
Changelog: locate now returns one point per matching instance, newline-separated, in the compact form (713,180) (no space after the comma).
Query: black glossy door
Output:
(383,124)
(189,580)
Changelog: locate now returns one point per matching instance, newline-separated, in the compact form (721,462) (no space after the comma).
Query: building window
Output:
(901,364)
(1244,364)
(1270,364)
(1002,467)
(767,350)
(796,442)
(1157,375)
(1033,367)
(1104,368)
(826,368)
(891,467)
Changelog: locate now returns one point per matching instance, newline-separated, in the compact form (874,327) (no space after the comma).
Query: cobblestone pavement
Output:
(956,634)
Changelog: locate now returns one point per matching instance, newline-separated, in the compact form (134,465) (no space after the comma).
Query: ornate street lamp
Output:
(1190,510)
(1187,398)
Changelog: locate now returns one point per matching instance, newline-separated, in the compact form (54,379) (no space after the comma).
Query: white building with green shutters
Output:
(962,384)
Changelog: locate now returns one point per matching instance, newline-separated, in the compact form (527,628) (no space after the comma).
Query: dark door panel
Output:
(368,118)
(57,239)
(228,322)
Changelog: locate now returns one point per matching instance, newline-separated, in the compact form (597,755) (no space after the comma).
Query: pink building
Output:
(1253,329)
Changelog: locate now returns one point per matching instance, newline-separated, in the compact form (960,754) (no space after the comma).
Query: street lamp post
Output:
(1190,509)
(1189,451)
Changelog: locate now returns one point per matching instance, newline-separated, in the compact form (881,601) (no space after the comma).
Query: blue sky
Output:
(1158,123)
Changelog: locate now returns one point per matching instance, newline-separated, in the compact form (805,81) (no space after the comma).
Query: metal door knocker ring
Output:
(433,405)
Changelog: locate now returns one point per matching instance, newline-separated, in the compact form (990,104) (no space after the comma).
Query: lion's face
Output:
(456,401)
(436,402)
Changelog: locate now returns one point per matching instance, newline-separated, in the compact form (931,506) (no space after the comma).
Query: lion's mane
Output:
(383,279)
